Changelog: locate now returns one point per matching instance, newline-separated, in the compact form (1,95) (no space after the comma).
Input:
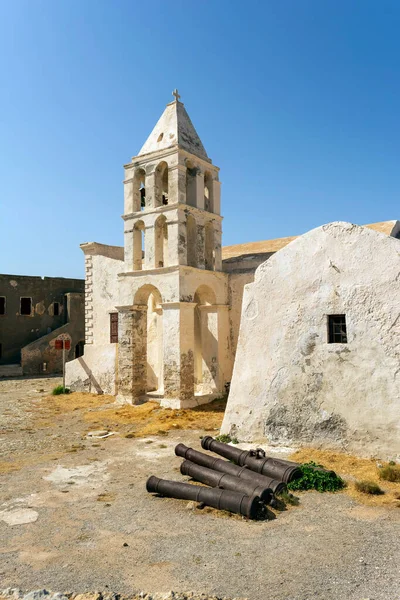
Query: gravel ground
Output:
(93,526)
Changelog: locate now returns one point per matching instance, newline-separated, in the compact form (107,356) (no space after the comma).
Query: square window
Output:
(2,305)
(26,306)
(337,330)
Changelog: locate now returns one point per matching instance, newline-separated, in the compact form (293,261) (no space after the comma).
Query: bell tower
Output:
(172,249)
(172,174)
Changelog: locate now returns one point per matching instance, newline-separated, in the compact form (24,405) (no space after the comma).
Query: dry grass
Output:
(390,473)
(65,403)
(150,419)
(353,469)
(52,407)
(9,467)
(369,487)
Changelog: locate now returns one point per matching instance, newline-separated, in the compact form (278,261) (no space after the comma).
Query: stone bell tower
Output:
(172,267)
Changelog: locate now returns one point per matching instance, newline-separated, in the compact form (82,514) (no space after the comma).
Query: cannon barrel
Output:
(282,470)
(217,498)
(217,464)
(225,481)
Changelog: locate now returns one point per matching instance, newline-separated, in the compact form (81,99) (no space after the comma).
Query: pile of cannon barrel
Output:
(244,487)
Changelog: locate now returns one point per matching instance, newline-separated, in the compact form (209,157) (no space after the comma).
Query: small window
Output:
(26,306)
(56,309)
(2,305)
(337,331)
(113,328)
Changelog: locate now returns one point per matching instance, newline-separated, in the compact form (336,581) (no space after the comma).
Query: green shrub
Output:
(314,479)
(390,473)
(226,439)
(369,487)
(59,389)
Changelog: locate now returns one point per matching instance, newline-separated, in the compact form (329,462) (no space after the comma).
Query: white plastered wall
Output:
(95,370)
(289,384)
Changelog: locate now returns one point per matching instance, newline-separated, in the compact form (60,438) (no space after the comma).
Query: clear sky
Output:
(297,101)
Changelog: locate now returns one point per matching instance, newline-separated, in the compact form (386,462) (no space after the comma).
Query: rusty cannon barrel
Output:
(225,481)
(217,464)
(282,470)
(235,502)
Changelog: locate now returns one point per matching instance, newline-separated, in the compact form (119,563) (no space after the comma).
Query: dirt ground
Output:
(75,515)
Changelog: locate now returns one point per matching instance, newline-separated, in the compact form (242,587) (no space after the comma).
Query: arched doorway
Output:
(205,341)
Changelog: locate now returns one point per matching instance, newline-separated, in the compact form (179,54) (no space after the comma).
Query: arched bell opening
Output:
(208,192)
(161,242)
(138,245)
(161,184)
(191,174)
(139,190)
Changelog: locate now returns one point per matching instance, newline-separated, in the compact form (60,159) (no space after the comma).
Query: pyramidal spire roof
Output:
(174,127)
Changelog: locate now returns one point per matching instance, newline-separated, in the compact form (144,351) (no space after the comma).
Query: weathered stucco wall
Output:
(289,384)
(41,355)
(95,370)
(18,330)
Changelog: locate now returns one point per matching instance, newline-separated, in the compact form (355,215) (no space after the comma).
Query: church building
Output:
(162,314)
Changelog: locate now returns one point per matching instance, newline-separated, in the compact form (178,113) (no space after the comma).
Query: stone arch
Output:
(191,187)
(209,247)
(205,341)
(191,241)
(208,192)
(150,299)
(161,242)
(138,245)
(139,189)
(161,184)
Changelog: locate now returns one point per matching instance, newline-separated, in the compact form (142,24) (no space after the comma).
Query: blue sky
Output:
(297,101)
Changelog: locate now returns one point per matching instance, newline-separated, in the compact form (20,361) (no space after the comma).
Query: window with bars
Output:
(337,330)
(113,328)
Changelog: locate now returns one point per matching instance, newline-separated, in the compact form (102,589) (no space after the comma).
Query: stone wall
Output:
(41,356)
(289,384)
(17,330)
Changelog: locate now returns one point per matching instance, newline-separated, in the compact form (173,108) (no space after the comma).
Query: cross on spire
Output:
(177,96)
